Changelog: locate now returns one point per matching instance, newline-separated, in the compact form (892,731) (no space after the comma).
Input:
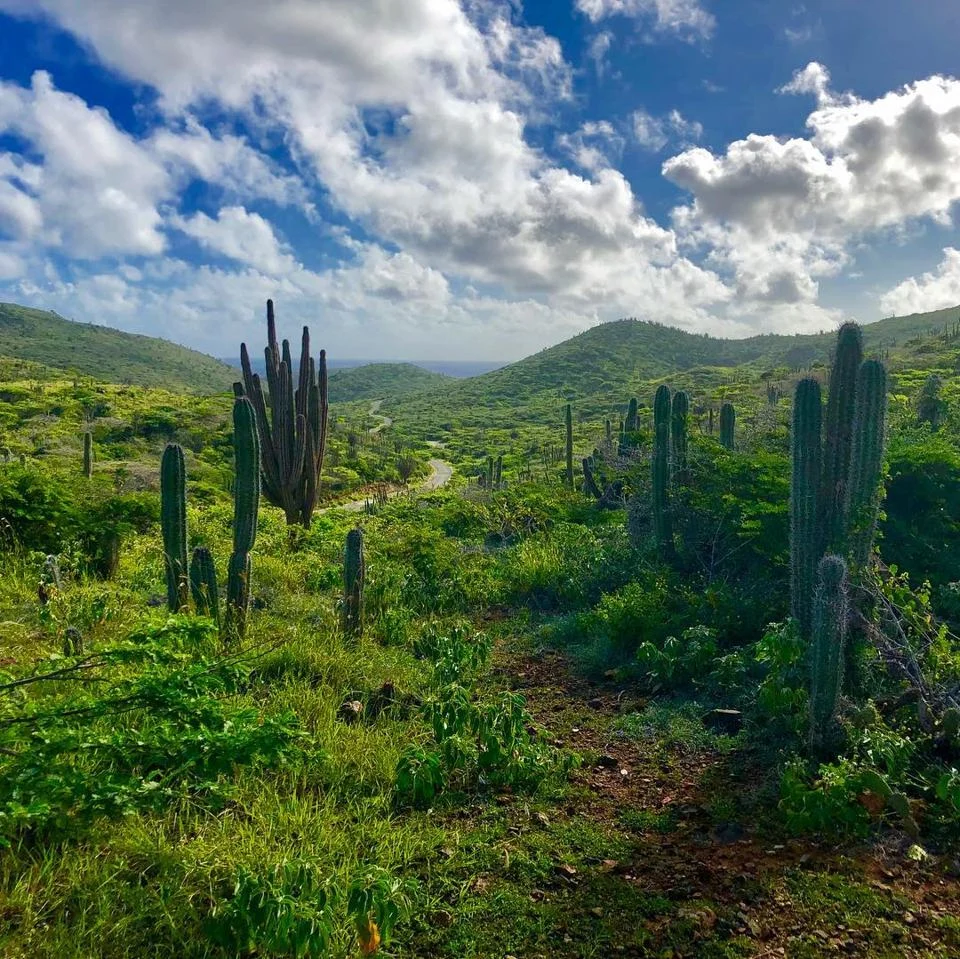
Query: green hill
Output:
(383,381)
(610,362)
(108,354)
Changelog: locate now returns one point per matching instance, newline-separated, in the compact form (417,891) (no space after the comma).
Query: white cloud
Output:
(239,235)
(685,17)
(778,214)
(931,291)
(593,145)
(598,49)
(96,191)
(654,133)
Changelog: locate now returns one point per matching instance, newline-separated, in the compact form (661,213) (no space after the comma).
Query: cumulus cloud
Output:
(931,291)
(245,237)
(685,17)
(780,213)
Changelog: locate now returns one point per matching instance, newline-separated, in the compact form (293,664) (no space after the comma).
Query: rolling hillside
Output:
(108,354)
(612,361)
(382,381)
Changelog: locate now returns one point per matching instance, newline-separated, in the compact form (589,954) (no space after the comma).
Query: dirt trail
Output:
(441,473)
(742,879)
(385,421)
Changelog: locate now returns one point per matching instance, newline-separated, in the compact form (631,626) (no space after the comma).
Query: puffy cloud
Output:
(931,291)
(96,191)
(654,133)
(684,17)
(239,235)
(779,213)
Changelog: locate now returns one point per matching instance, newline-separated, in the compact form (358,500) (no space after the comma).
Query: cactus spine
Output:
(631,422)
(246,504)
(839,433)
(661,472)
(293,437)
(728,420)
(828,634)
(354,573)
(203,584)
(88,454)
(861,496)
(678,427)
(805,536)
(173,522)
(569,474)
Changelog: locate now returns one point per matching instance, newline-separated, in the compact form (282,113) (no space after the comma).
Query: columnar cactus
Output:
(847,357)
(88,454)
(678,428)
(589,482)
(203,584)
(861,495)
(609,429)
(631,423)
(173,522)
(728,419)
(828,637)
(354,573)
(246,505)
(662,526)
(710,422)
(805,530)
(293,437)
(569,476)
(498,473)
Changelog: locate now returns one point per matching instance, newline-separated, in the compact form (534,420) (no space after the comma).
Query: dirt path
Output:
(441,473)
(677,832)
(385,421)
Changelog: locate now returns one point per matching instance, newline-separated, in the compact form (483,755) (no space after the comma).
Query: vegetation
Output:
(90,350)
(623,686)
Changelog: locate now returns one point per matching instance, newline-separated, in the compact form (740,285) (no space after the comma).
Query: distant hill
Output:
(108,354)
(458,369)
(608,363)
(382,381)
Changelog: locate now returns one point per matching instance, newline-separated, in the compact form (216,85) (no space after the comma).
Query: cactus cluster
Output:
(354,574)
(632,421)
(589,480)
(293,435)
(834,500)
(680,411)
(569,447)
(199,579)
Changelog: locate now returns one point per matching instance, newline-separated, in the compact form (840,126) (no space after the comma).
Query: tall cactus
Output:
(354,574)
(609,431)
(678,427)
(173,522)
(861,495)
(662,526)
(632,421)
(293,436)
(203,584)
(805,531)
(847,357)
(728,420)
(569,474)
(828,637)
(246,504)
(589,481)
(88,454)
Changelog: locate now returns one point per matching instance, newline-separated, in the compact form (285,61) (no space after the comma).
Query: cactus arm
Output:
(173,522)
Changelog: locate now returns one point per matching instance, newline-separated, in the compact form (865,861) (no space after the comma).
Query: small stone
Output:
(542,818)
(597,911)
(350,711)
(566,870)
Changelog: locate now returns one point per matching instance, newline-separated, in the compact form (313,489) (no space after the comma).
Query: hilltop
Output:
(382,380)
(610,362)
(107,354)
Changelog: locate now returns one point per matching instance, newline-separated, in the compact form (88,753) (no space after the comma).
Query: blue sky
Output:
(477,179)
